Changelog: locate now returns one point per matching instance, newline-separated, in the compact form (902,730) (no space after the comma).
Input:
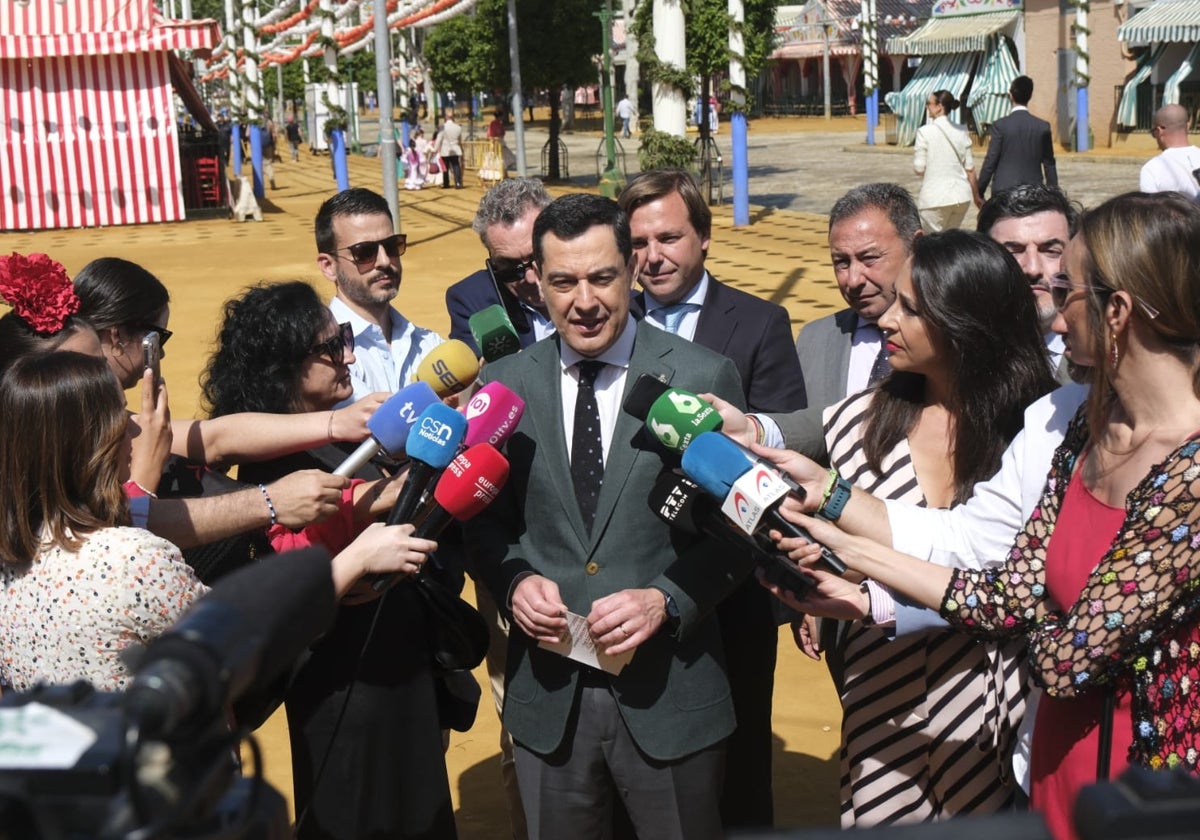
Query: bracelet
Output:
(868,620)
(830,483)
(270,504)
(760,432)
(329,431)
(144,491)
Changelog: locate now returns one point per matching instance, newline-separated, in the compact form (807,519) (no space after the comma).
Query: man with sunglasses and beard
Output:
(504,222)
(359,252)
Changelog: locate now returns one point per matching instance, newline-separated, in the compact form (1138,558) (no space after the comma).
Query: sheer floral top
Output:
(1137,614)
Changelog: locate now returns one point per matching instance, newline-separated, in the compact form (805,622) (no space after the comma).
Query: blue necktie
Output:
(671,317)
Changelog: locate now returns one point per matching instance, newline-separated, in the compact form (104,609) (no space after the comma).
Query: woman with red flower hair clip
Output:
(45,308)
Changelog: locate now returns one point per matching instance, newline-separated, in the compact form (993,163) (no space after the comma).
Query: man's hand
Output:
(304,497)
(734,423)
(623,620)
(539,610)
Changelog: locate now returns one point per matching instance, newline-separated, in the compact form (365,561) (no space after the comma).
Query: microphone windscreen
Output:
(715,462)
(494,333)
(677,417)
(642,395)
(674,499)
(472,481)
(392,421)
(492,415)
(436,435)
(449,367)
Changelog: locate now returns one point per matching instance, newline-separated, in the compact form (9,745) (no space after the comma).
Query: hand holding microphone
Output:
(389,426)
(751,490)
(449,368)
(674,416)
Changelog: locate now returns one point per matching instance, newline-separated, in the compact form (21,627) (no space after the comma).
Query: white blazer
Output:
(943,155)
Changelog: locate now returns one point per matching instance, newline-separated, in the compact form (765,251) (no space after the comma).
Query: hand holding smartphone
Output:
(152,356)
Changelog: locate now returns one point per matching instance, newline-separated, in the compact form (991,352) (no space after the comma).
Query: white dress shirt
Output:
(609,386)
(379,364)
(541,325)
(687,327)
(864,349)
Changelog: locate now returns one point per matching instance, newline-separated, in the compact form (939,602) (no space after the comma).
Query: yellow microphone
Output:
(450,367)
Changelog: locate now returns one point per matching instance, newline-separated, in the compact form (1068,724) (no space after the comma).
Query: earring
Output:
(1114,356)
(118,348)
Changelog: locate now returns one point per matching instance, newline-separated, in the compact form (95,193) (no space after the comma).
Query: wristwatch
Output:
(831,511)
(672,609)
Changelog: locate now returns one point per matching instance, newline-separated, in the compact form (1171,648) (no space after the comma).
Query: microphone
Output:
(493,414)
(239,638)
(642,395)
(678,417)
(470,483)
(494,333)
(683,504)
(389,426)
(449,367)
(751,489)
(432,444)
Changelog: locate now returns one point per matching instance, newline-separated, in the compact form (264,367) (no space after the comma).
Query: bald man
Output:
(1177,166)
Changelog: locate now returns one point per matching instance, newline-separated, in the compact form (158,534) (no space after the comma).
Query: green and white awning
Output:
(960,34)
(937,72)
(1128,106)
(1171,86)
(988,99)
(1176,21)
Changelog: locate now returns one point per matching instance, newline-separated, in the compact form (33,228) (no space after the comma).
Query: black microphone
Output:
(683,504)
(238,638)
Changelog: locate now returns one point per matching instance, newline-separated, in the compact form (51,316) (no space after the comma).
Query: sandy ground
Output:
(780,256)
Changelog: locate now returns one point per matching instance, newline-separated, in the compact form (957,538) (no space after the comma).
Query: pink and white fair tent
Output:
(88,132)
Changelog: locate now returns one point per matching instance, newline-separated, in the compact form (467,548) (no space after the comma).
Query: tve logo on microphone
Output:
(435,431)
(407,414)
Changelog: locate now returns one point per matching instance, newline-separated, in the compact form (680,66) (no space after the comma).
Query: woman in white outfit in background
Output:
(943,156)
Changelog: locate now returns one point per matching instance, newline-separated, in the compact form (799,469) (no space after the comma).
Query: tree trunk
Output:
(553,172)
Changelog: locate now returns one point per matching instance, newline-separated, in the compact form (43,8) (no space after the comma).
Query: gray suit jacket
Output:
(1020,151)
(824,351)
(673,695)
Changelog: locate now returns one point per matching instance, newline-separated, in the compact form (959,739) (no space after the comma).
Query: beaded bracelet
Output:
(760,432)
(830,483)
(270,504)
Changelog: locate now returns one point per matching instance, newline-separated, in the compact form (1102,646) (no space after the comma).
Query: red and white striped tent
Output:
(87,122)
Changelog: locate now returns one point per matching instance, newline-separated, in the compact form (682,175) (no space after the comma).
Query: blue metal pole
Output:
(236,146)
(337,148)
(1081,119)
(872,116)
(256,160)
(741,171)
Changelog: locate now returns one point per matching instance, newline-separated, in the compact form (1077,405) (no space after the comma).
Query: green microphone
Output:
(494,333)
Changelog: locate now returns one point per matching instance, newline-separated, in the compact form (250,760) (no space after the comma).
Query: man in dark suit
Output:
(671,226)
(1020,148)
(572,532)
(504,222)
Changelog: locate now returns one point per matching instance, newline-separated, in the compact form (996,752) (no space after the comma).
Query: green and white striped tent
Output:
(1128,106)
(988,99)
(1171,86)
(1173,21)
(950,71)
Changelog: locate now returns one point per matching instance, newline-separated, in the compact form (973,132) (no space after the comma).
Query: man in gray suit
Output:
(871,231)
(1020,147)
(572,533)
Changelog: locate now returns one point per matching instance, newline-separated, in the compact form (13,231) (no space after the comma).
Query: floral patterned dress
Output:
(1134,623)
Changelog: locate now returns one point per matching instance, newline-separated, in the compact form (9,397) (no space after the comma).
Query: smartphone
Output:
(152,356)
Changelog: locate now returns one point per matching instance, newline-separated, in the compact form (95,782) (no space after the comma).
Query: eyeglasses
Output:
(164,334)
(1061,287)
(512,274)
(335,346)
(366,254)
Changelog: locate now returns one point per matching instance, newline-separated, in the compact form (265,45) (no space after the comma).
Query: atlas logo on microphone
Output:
(751,495)
(435,431)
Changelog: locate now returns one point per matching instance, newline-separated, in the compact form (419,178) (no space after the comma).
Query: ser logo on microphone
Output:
(441,369)
(435,431)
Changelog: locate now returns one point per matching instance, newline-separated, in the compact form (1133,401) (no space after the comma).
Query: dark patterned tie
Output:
(881,368)
(587,453)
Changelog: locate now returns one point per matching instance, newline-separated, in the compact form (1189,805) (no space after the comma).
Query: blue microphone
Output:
(389,426)
(432,444)
(750,490)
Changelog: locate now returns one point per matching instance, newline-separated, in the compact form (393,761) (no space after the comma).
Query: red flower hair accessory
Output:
(39,291)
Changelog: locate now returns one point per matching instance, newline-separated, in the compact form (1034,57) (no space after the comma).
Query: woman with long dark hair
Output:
(279,350)
(1103,582)
(927,719)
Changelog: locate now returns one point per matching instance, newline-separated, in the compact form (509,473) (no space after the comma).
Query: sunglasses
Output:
(164,334)
(512,274)
(1061,288)
(335,346)
(366,254)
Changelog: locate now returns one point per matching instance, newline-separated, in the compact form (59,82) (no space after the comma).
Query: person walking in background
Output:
(1020,147)
(943,157)
(449,148)
(625,115)
(1177,166)
(292,132)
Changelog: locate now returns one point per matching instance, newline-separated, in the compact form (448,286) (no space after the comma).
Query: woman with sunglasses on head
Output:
(928,719)
(279,350)
(1103,581)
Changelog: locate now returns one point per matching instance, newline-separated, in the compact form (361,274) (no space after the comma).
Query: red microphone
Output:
(469,484)
(492,415)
